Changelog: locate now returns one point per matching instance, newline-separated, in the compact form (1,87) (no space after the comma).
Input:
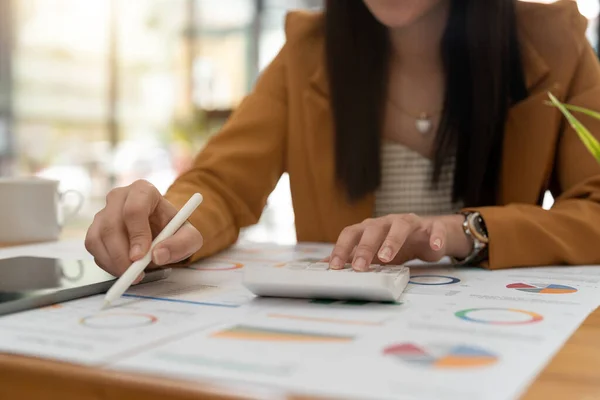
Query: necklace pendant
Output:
(424,124)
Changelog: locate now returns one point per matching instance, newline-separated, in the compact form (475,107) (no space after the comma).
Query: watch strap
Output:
(479,238)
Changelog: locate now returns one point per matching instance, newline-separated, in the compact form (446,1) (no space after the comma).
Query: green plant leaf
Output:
(582,110)
(586,137)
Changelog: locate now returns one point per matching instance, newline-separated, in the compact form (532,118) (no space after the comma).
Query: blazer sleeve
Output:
(238,167)
(568,233)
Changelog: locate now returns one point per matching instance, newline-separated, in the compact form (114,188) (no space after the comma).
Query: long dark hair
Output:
(484,76)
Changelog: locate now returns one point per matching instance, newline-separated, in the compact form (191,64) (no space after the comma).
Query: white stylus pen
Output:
(136,268)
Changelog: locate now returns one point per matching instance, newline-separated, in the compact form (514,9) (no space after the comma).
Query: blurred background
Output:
(99,93)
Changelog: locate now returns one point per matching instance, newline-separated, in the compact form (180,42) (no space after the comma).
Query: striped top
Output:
(406,184)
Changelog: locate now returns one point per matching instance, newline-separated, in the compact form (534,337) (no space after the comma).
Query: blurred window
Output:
(104,92)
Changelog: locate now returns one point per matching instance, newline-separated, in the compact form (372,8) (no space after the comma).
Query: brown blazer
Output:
(285,125)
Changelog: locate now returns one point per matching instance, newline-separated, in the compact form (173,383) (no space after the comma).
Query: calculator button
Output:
(394,269)
(347,268)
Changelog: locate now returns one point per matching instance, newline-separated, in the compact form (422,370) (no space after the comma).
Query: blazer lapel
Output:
(536,69)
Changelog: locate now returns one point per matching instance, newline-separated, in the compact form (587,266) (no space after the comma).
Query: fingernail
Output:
(336,263)
(140,278)
(385,254)
(360,264)
(161,256)
(437,244)
(136,252)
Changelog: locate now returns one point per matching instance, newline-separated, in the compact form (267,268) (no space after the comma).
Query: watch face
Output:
(479,226)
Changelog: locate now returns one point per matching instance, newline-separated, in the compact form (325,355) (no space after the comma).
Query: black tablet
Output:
(30,282)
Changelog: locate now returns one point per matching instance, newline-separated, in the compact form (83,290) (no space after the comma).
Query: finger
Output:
(328,258)
(139,278)
(437,239)
(163,214)
(369,243)
(184,243)
(350,258)
(114,237)
(104,261)
(344,246)
(399,232)
(108,230)
(95,246)
(141,201)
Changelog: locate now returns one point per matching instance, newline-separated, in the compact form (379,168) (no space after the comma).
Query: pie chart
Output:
(542,288)
(118,321)
(499,316)
(441,356)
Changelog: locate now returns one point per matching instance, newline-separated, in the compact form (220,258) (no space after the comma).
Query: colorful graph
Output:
(433,280)
(499,316)
(441,356)
(210,303)
(118,321)
(542,288)
(244,332)
(339,321)
(217,266)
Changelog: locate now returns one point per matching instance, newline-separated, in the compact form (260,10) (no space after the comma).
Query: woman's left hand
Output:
(396,239)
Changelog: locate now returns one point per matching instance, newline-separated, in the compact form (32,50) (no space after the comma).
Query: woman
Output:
(412,129)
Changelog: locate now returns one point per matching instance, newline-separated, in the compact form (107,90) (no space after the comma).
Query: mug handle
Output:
(75,210)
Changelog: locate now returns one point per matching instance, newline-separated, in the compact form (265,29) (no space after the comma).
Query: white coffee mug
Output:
(33,209)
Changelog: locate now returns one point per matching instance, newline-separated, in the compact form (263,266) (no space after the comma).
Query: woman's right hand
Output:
(123,231)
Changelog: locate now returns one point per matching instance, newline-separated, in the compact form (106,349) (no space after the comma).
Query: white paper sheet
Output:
(557,286)
(78,331)
(190,299)
(458,333)
(422,353)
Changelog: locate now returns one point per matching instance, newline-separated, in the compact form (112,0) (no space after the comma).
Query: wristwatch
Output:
(474,227)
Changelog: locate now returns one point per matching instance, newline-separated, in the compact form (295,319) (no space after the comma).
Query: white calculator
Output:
(314,280)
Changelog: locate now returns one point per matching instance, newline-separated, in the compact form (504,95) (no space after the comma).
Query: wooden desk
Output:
(574,374)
